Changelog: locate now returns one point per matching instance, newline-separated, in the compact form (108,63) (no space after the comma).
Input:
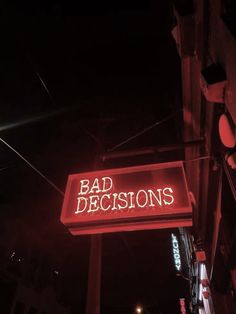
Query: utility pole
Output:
(94,278)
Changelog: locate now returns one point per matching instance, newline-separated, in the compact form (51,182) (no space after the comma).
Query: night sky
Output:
(76,81)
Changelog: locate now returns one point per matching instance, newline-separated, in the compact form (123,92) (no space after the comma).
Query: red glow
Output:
(182,306)
(134,198)
(122,200)
(227,132)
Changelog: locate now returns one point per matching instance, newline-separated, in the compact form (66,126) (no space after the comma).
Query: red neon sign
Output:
(132,198)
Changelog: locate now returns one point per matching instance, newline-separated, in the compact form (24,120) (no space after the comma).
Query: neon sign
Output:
(102,199)
(176,252)
(123,199)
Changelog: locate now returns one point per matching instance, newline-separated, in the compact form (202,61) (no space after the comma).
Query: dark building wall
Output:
(210,178)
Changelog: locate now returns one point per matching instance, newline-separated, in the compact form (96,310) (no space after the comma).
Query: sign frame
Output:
(126,220)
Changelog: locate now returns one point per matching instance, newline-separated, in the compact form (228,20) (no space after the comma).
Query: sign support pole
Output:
(94,278)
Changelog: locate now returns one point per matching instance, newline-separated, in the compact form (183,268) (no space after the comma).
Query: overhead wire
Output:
(44,86)
(30,120)
(199,158)
(39,76)
(144,130)
(33,167)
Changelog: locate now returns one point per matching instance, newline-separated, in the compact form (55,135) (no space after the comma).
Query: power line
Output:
(31,120)
(143,131)
(33,167)
(199,158)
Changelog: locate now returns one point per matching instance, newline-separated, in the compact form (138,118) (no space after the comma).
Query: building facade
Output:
(204,32)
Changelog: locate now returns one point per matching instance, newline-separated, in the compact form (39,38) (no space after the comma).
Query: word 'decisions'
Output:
(100,194)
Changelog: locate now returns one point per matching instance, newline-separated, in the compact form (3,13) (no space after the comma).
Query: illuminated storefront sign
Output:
(99,197)
(176,253)
(132,198)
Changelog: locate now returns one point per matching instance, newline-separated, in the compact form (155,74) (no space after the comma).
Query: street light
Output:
(140,310)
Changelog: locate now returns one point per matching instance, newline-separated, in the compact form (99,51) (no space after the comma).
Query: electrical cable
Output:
(32,120)
(44,86)
(199,158)
(144,131)
(33,167)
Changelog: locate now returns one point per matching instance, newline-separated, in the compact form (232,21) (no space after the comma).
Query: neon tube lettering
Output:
(93,196)
(140,198)
(157,198)
(107,184)
(93,204)
(101,202)
(176,252)
(84,186)
(131,195)
(96,186)
(78,209)
(124,200)
(168,195)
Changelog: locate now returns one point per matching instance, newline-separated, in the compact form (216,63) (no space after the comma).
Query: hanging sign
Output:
(133,198)
(176,252)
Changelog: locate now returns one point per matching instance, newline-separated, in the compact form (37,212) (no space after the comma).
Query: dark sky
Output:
(77,79)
